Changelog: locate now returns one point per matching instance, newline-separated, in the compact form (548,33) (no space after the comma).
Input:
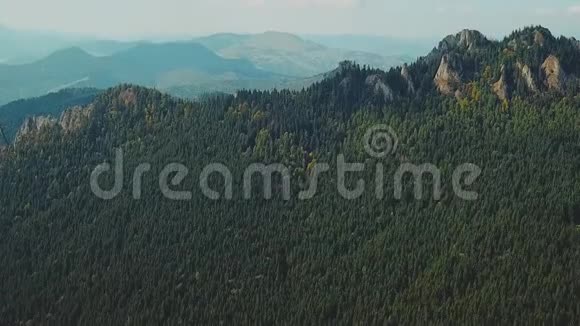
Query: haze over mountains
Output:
(190,69)
(405,48)
(20,47)
(155,65)
(33,64)
(291,55)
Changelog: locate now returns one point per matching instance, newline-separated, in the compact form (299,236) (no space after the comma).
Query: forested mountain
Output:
(512,256)
(157,65)
(185,69)
(33,64)
(290,55)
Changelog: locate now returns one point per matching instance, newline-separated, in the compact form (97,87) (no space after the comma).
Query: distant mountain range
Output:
(529,62)
(20,47)
(291,55)
(408,49)
(33,64)
(155,65)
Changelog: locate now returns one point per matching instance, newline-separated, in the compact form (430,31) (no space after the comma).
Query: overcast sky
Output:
(124,19)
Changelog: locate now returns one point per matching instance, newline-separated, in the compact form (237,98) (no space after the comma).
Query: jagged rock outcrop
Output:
(539,38)
(380,88)
(467,39)
(471,39)
(500,88)
(407,78)
(447,79)
(70,120)
(128,97)
(73,119)
(527,76)
(530,37)
(553,75)
(513,44)
(33,125)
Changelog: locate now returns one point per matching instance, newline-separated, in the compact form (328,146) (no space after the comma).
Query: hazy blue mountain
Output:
(291,55)
(20,47)
(163,66)
(105,47)
(27,46)
(383,45)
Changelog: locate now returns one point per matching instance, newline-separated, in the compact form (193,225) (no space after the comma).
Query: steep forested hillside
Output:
(510,257)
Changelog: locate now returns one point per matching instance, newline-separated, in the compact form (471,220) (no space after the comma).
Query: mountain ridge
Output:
(290,54)
(462,65)
(147,64)
(70,257)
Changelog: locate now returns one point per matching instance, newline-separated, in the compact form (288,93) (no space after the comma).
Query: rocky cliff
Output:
(447,79)
(466,39)
(553,74)
(500,88)
(71,120)
(75,118)
(380,88)
(33,125)
(407,78)
(527,76)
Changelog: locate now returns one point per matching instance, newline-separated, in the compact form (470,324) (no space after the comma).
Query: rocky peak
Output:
(447,78)
(529,37)
(526,75)
(500,88)
(553,75)
(407,78)
(75,118)
(380,88)
(33,125)
(467,39)
(128,97)
(539,38)
(471,39)
(70,120)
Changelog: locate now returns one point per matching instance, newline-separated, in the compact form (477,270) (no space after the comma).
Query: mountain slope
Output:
(156,65)
(510,256)
(289,54)
(528,63)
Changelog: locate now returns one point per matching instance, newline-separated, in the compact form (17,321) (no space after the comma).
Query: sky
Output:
(134,19)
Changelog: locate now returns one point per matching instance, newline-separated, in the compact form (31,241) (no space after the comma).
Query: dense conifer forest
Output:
(512,256)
